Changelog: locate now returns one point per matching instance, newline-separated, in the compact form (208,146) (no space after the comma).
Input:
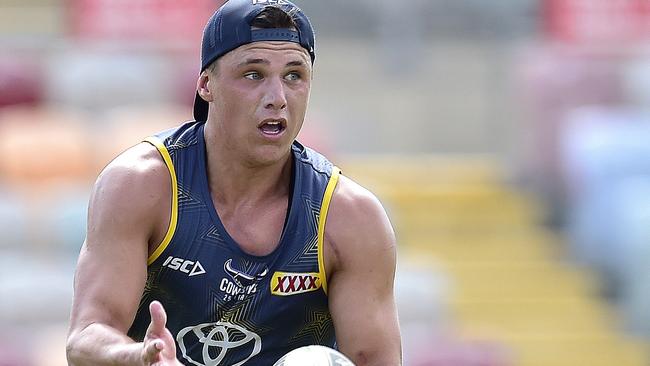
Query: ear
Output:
(202,86)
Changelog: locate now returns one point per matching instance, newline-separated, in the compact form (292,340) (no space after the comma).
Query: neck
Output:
(234,180)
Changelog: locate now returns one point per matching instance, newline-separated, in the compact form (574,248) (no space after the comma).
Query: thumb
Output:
(151,350)
(158,318)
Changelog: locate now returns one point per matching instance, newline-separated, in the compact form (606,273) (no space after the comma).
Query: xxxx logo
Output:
(285,284)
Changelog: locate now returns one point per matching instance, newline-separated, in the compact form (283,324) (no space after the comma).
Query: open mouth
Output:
(272,127)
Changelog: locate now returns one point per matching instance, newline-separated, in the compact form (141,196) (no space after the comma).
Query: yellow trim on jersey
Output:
(329,192)
(174,214)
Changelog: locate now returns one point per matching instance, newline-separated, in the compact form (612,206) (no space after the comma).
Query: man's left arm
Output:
(360,253)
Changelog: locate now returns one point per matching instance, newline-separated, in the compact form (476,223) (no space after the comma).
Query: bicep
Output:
(107,287)
(111,270)
(361,296)
(365,317)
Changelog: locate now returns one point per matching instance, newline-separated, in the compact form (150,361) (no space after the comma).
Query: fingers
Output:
(158,319)
(151,350)
(153,345)
(158,343)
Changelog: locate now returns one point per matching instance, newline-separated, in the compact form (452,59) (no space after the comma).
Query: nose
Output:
(274,95)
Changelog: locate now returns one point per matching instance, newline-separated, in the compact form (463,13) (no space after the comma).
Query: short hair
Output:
(274,17)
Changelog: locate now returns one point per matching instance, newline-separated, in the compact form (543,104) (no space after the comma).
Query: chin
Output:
(270,154)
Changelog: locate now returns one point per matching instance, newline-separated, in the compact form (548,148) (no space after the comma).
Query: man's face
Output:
(260,93)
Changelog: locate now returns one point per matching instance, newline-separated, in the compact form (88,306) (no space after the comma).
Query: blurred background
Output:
(509,141)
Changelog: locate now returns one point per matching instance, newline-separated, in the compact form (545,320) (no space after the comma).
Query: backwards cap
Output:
(230,27)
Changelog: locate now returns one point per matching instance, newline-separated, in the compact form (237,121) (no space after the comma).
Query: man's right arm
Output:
(127,211)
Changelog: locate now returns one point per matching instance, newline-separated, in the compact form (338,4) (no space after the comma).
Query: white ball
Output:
(314,356)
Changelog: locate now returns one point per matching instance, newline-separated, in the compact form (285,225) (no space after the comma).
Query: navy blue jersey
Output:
(225,306)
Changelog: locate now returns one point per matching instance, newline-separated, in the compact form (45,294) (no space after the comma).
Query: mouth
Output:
(272,127)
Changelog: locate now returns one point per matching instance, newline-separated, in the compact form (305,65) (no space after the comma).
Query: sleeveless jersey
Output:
(226,307)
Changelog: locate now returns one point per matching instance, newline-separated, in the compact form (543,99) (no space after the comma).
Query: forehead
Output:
(272,51)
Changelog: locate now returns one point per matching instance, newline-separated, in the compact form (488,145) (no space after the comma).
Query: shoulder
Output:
(357,224)
(134,183)
(354,202)
(135,168)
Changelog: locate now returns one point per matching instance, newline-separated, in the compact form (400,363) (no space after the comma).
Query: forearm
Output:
(99,345)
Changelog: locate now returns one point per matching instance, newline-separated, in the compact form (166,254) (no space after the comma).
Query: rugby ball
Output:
(314,356)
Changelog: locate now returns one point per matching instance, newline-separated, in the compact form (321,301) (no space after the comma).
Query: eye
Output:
(253,75)
(293,76)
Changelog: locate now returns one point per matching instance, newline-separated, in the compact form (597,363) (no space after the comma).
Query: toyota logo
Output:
(218,338)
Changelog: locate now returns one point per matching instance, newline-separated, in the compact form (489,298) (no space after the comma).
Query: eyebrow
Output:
(295,63)
(252,61)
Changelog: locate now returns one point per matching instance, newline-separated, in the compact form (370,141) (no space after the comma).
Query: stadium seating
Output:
(509,282)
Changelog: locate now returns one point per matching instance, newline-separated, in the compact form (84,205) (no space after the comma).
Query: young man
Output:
(226,242)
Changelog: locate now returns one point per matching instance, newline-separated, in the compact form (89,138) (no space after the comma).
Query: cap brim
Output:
(200,108)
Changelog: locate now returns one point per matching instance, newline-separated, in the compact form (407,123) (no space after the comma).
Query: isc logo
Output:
(285,284)
(190,267)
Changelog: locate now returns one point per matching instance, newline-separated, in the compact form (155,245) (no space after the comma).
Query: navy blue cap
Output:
(230,27)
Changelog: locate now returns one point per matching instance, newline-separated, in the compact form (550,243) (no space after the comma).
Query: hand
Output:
(158,347)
